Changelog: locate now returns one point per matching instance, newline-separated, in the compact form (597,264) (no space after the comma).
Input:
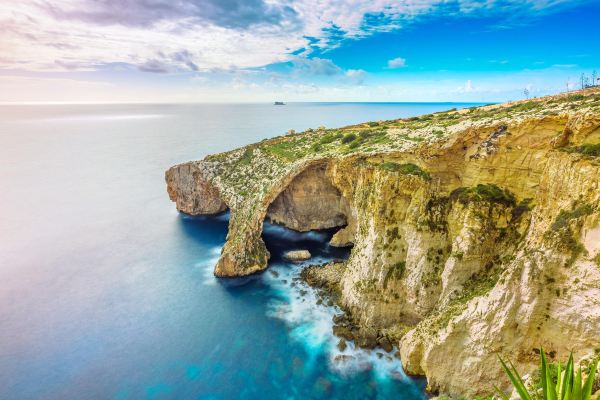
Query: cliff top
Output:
(432,146)
(264,161)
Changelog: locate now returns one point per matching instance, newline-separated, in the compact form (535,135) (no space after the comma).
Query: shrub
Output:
(563,217)
(592,150)
(349,137)
(527,106)
(246,157)
(395,272)
(407,169)
(484,192)
(576,97)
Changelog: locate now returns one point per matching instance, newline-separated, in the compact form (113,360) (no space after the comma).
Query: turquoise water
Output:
(107,292)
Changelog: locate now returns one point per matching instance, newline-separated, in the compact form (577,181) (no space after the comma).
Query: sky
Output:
(168,51)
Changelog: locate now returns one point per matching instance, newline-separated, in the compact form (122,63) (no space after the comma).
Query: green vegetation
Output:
(484,192)
(563,218)
(555,383)
(477,285)
(435,216)
(591,150)
(396,272)
(349,137)
(433,277)
(246,157)
(521,208)
(289,150)
(527,106)
(365,285)
(562,233)
(406,169)
(331,137)
(481,282)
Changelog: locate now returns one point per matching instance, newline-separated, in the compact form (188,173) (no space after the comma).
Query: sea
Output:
(107,292)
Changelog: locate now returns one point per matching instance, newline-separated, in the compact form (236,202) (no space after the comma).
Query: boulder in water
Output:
(297,255)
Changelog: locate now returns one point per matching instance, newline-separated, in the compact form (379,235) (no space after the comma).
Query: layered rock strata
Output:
(476,232)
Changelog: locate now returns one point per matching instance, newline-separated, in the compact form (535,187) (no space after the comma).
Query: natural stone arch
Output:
(310,202)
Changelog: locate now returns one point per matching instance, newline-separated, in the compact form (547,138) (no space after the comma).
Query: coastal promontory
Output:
(474,232)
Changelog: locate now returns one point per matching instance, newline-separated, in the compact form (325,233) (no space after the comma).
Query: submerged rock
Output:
(343,332)
(342,345)
(343,358)
(385,344)
(274,273)
(297,255)
(367,339)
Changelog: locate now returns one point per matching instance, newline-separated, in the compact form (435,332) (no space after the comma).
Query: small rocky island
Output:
(475,232)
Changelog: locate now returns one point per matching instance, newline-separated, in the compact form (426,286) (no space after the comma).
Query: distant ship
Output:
(279,103)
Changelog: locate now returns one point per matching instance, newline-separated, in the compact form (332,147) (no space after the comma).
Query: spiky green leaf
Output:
(516,380)
(586,392)
(577,386)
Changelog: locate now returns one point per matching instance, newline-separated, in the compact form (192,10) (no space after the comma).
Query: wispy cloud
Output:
(398,62)
(315,66)
(355,76)
(233,14)
(205,34)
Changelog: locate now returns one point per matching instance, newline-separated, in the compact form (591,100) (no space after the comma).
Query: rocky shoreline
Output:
(326,280)
(475,232)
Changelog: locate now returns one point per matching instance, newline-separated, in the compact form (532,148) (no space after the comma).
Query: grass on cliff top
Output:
(400,133)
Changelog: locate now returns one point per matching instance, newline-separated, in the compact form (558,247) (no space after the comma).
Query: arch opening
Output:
(308,215)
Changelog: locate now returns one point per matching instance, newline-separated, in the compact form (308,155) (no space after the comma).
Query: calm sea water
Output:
(106,292)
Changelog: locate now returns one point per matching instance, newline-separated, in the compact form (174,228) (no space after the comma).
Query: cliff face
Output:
(309,202)
(475,232)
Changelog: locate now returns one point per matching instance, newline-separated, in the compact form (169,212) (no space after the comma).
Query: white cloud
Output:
(204,34)
(355,76)
(466,88)
(398,62)
(315,66)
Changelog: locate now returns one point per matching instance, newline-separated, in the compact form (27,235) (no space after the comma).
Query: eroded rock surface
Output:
(297,255)
(475,232)
(309,202)
(192,193)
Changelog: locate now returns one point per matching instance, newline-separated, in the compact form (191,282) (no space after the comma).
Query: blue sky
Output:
(306,50)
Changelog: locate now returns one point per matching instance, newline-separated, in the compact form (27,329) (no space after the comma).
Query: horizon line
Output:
(58,103)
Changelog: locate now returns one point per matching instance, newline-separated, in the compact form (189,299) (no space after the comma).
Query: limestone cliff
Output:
(475,232)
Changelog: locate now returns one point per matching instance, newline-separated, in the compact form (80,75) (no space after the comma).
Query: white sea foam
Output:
(311,324)
(207,266)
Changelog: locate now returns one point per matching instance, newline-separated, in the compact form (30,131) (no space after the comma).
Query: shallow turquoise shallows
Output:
(106,292)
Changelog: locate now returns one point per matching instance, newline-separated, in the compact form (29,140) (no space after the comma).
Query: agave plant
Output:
(569,384)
